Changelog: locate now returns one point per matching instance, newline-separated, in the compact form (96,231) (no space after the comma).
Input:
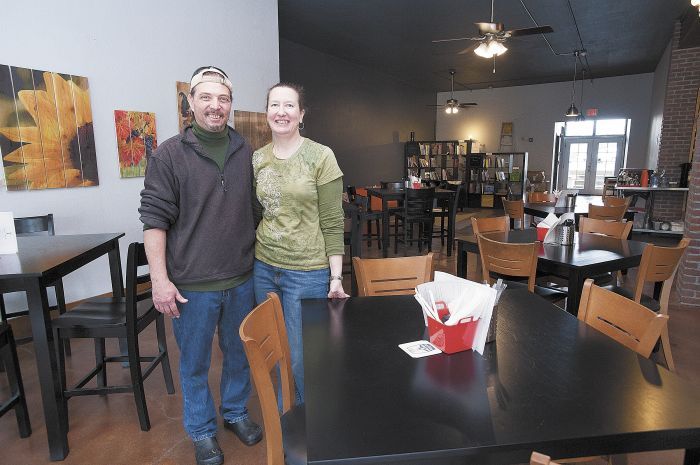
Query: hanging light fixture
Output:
(452,104)
(696,4)
(573,112)
(492,47)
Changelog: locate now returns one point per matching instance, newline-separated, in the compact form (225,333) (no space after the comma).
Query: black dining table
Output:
(387,195)
(39,262)
(549,383)
(589,256)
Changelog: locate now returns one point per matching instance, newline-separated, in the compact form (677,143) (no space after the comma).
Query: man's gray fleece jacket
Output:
(207,213)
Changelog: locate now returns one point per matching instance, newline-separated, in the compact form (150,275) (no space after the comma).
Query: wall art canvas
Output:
(253,126)
(184,116)
(136,141)
(46,135)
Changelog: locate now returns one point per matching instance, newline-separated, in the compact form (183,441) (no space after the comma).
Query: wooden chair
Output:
(515,261)
(392,276)
(658,264)
(629,323)
(616,229)
(122,318)
(541,197)
(417,210)
(540,459)
(518,260)
(442,212)
(266,345)
(488,225)
(598,212)
(515,209)
(32,226)
(17,400)
(610,201)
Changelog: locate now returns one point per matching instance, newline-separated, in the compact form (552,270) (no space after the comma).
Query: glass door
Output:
(586,161)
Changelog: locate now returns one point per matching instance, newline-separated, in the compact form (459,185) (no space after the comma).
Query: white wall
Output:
(132,52)
(534,110)
(656,117)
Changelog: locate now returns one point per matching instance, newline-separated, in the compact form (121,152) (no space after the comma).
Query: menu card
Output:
(8,238)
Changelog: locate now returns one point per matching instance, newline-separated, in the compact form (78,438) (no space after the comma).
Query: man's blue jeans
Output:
(291,286)
(194,333)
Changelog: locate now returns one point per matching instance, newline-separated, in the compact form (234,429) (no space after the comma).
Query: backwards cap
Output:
(219,77)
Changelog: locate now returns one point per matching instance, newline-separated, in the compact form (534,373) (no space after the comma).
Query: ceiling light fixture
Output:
(573,112)
(492,47)
(696,3)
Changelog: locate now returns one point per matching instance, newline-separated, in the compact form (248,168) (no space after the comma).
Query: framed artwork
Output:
(253,127)
(184,116)
(46,135)
(136,141)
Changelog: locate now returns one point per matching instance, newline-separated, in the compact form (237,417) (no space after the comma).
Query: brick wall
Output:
(688,279)
(678,118)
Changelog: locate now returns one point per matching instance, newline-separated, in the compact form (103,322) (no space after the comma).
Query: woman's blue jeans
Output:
(194,332)
(291,286)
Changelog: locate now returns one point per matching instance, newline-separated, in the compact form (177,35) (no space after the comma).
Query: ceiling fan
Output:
(492,36)
(452,105)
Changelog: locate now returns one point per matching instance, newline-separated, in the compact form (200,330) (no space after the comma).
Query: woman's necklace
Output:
(283,155)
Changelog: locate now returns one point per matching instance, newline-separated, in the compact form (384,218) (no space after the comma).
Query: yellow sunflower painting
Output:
(46,135)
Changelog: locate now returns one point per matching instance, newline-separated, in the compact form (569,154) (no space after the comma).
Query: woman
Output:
(299,242)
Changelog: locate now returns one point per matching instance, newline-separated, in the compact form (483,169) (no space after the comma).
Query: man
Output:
(196,207)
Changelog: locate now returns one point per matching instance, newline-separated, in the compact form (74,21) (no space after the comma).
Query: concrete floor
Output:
(105,430)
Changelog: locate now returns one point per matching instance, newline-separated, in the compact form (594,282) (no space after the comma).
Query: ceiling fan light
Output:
(448,110)
(572,112)
(482,50)
(455,110)
(496,48)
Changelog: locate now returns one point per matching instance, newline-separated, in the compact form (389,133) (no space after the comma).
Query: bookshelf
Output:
(491,176)
(436,160)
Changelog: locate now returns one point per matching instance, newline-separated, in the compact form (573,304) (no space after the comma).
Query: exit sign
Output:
(592,112)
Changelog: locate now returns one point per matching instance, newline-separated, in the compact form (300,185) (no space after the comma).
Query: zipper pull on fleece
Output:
(223,182)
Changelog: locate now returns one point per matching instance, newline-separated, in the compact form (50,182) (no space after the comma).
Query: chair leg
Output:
(666,346)
(163,349)
(396,235)
(442,229)
(14,377)
(137,382)
(379,234)
(61,303)
(100,362)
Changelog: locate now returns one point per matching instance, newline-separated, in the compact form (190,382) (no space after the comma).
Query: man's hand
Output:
(165,295)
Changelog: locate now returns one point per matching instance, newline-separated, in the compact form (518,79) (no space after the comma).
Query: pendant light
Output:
(581,117)
(573,112)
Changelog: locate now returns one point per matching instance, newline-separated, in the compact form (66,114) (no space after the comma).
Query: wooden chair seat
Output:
(645,300)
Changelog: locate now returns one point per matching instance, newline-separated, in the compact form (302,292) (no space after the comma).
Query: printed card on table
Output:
(8,238)
(417,349)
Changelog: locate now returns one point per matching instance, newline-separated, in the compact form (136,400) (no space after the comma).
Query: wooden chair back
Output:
(629,323)
(598,212)
(659,264)
(519,260)
(488,225)
(541,197)
(610,201)
(266,345)
(392,276)
(515,209)
(31,225)
(616,229)
(418,203)
(540,459)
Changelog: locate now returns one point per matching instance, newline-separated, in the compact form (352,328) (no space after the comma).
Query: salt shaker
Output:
(567,233)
